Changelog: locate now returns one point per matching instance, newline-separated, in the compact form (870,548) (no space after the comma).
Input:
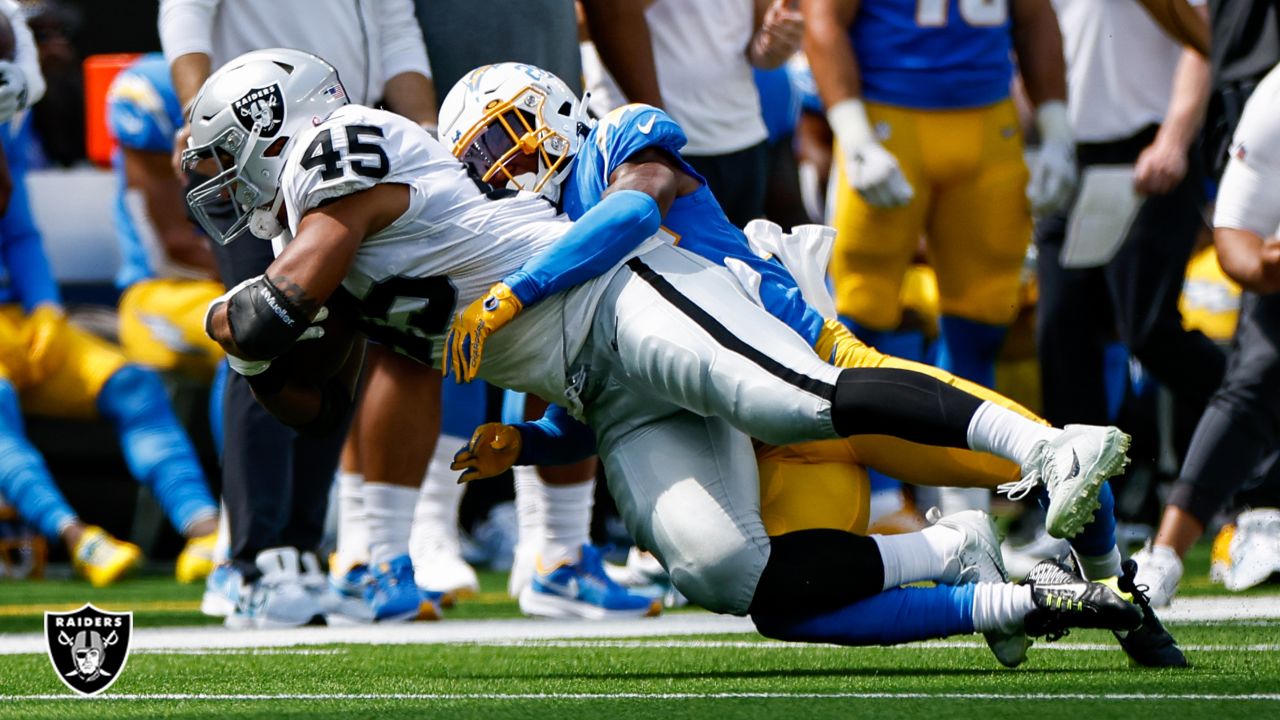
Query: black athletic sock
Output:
(818,571)
(906,404)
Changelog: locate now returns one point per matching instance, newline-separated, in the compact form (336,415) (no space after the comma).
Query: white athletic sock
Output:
(913,557)
(1004,433)
(1000,606)
(222,546)
(435,518)
(389,512)
(952,500)
(567,521)
(528,506)
(1099,567)
(353,530)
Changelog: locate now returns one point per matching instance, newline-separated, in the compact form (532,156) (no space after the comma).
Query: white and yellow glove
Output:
(1053,175)
(492,450)
(13,90)
(872,170)
(474,325)
(43,339)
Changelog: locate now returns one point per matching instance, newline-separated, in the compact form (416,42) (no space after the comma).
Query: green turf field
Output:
(1085,676)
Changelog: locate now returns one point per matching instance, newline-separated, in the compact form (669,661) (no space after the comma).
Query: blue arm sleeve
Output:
(596,242)
(30,276)
(555,439)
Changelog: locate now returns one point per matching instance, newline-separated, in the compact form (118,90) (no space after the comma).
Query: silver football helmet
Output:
(241,122)
(514,125)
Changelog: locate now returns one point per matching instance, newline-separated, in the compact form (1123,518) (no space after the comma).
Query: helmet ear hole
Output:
(566,109)
(275,148)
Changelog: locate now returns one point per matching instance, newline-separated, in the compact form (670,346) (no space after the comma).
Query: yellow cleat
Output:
(195,562)
(103,559)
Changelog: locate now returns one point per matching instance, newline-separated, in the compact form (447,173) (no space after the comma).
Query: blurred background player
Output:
(167,271)
(928,141)
(52,368)
(275,481)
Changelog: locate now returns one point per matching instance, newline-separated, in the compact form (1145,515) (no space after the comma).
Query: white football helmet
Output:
(241,121)
(514,125)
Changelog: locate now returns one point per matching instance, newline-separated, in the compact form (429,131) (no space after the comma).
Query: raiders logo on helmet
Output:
(261,106)
(88,647)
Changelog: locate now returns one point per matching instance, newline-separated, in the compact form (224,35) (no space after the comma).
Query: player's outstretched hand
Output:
(474,325)
(874,172)
(1053,175)
(493,449)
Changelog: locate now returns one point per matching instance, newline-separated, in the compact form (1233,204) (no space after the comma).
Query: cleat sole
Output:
(1067,522)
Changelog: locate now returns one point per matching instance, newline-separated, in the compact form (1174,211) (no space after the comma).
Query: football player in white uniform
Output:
(663,354)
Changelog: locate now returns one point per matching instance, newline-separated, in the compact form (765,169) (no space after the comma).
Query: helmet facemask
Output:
(227,191)
(511,146)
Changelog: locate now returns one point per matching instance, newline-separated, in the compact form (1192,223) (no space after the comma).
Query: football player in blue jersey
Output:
(497,121)
(918,95)
(49,367)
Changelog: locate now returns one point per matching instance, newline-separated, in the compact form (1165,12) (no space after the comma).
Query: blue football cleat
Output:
(583,590)
(391,591)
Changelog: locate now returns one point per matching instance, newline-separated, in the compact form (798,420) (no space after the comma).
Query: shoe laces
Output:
(1021,488)
(1127,583)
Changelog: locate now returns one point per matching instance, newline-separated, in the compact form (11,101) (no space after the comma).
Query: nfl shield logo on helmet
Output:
(262,106)
(88,647)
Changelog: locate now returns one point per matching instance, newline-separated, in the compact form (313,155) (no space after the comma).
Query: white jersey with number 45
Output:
(451,245)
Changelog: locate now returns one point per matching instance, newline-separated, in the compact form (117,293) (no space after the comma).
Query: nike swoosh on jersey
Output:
(646,126)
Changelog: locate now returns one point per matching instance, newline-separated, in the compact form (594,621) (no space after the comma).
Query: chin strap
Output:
(265,224)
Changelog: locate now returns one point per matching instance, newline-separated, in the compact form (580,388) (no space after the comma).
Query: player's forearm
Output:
(1184,23)
(30,275)
(598,240)
(412,95)
(831,56)
(621,36)
(1038,44)
(1187,105)
(554,439)
(189,72)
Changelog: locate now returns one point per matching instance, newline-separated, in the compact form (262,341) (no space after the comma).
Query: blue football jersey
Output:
(934,54)
(143,113)
(696,219)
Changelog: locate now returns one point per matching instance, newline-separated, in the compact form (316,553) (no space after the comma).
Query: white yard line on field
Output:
(1204,609)
(1247,697)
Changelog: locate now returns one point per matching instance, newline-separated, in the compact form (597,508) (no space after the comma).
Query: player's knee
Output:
(133,393)
(723,581)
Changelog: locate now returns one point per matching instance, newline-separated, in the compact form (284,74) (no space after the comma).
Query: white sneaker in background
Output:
(338,609)
(1160,571)
(1255,549)
(277,599)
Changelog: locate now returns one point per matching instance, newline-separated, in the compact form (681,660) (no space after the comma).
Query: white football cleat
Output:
(1255,549)
(1072,468)
(438,568)
(1159,571)
(278,598)
(978,560)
